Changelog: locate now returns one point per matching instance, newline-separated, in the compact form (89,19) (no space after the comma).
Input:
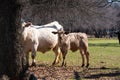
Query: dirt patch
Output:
(46,72)
(49,72)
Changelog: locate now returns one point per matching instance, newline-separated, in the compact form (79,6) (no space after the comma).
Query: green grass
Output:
(104,60)
(103,52)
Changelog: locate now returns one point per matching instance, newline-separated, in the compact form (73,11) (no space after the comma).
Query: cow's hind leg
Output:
(58,55)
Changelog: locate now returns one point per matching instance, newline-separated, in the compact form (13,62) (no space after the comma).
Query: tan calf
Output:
(73,42)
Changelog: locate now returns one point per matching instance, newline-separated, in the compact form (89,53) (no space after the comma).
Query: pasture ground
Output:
(104,63)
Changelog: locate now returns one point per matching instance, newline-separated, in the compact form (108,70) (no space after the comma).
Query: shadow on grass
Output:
(76,75)
(96,73)
(105,44)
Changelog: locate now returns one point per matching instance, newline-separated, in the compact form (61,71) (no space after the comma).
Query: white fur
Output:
(41,38)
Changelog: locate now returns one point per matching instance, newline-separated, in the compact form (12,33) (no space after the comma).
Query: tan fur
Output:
(74,42)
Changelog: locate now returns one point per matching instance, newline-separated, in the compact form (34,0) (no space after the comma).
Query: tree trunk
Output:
(12,58)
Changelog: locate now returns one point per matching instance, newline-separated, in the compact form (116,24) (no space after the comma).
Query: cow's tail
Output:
(60,56)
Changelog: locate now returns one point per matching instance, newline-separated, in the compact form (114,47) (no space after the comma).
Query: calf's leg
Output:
(87,58)
(64,56)
(83,59)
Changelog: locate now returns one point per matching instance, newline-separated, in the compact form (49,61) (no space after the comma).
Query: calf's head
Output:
(61,33)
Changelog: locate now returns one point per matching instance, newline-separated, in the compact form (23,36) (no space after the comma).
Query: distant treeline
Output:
(90,16)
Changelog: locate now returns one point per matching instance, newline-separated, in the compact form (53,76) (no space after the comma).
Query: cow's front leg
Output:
(27,58)
(33,55)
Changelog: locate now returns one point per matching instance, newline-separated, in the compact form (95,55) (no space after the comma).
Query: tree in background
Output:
(74,15)
(12,59)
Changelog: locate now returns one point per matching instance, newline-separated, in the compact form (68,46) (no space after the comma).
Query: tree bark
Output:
(12,58)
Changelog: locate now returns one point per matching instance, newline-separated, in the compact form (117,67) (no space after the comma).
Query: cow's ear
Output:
(28,24)
(55,32)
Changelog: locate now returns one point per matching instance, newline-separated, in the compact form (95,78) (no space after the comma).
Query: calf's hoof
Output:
(33,64)
(87,65)
(82,65)
(53,64)
(64,64)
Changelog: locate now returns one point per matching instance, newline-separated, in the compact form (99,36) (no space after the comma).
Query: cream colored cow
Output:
(40,38)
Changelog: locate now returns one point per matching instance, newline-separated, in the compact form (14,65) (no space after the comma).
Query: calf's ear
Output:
(66,32)
(55,32)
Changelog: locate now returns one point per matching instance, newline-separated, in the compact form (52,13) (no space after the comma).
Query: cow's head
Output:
(24,30)
(26,24)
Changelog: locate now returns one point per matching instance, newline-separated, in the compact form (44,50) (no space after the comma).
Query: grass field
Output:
(104,59)
(103,52)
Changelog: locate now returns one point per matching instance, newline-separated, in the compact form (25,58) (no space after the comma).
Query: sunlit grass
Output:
(103,53)
(104,60)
